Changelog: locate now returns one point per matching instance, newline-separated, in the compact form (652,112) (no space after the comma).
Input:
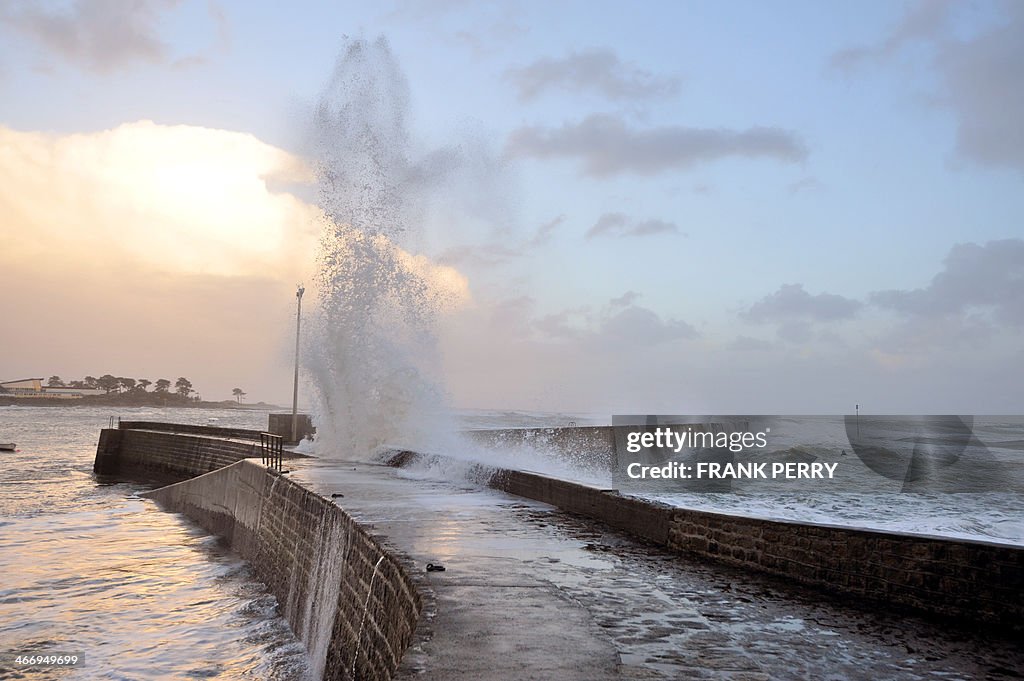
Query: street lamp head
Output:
(298,294)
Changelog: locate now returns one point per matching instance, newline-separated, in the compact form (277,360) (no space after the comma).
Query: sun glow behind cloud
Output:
(151,249)
(176,198)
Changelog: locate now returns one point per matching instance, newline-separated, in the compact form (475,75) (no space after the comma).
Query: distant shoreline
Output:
(114,400)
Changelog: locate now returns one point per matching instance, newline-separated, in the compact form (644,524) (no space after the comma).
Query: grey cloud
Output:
(749,344)
(805,184)
(510,318)
(626,299)
(219,18)
(608,223)
(916,336)
(544,232)
(489,40)
(791,304)
(615,328)
(983,80)
(618,224)
(101,34)
(922,22)
(975,278)
(596,70)
(638,327)
(485,254)
(647,227)
(560,325)
(606,145)
(795,332)
(497,253)
(980,77)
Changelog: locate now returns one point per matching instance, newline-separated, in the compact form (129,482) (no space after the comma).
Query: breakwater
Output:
(347,597)
(356,602)
(170,454)
(966,581)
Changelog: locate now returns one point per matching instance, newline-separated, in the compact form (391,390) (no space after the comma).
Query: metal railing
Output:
(272,448)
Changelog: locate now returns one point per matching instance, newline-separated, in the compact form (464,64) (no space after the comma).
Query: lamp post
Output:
(295,385)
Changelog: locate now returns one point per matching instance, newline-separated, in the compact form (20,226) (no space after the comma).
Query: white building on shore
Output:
(30,388)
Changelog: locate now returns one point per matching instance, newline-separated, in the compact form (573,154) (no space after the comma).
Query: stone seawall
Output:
(349,599)
(968,581)
(190,429)
(167,454)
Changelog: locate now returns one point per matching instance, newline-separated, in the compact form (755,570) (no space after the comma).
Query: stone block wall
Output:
(968,581)
(349,599)
(634,516)
(191,429)
(167,454)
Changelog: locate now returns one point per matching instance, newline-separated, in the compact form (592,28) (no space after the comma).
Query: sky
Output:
(678,207)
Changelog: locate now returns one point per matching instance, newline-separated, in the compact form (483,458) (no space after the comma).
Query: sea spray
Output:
(372,356)
(323,587)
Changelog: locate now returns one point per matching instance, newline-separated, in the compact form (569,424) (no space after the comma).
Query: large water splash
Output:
(371,356)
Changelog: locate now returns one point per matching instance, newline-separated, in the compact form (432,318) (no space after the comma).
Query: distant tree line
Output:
(124,390)
(123,385)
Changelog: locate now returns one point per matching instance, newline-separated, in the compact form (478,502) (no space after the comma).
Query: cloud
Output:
(979,76)
(619,357)
(418,11)
(165,249)
(102,35)
(618,224)
(750,344)
(637,327)
(605,145)
(923,21)
(491,38)
(977,297)
(792,304)
(544,232)
(482,254)
(596,70)
(983,88)
(795,331)
(220,19)
(985,279)
(914,339)
(496,253)
(179,199)
(621,325)
(626,299)
(805,184)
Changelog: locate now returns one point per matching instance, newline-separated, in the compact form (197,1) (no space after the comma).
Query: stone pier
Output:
(546,579)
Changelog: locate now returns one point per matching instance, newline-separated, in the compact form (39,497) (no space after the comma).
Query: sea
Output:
(89,568)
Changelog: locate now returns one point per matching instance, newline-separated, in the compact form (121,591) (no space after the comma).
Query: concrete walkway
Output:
(530,592)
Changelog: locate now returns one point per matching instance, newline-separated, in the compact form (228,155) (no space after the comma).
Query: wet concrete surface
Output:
(530,592)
